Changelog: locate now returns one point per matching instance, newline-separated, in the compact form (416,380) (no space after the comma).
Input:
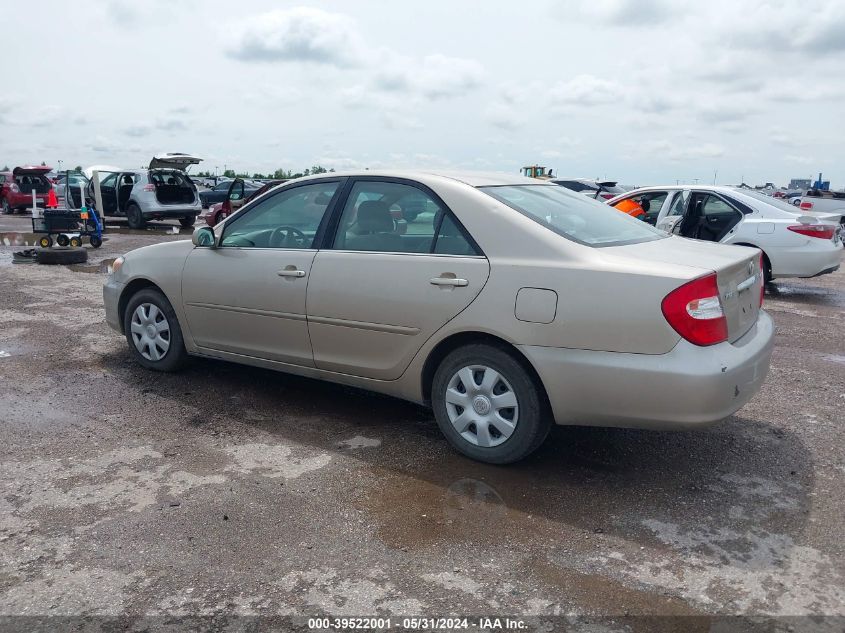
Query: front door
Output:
(387,284)
(247,296)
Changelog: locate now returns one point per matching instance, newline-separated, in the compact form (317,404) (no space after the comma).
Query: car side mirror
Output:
(204,237)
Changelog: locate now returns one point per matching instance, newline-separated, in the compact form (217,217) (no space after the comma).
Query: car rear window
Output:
(574,216)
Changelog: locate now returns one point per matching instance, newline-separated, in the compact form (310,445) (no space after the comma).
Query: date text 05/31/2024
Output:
(417,624)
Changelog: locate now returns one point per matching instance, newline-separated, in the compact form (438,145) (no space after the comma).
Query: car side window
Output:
(678,204)
(391,217)
(288,219)
(714,205)
(109,181)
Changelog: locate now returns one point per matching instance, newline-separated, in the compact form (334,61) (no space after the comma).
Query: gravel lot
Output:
(227,489)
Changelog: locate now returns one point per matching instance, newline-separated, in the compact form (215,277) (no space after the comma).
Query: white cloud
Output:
(621,12)
(585,90)
(677,152)
(301,34)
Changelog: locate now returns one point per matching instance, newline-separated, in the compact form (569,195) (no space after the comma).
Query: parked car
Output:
(522,304)
(238,195)
(597,189)
(794,244)
(164,191)
(72,197)
(819,200)
(220,191)
(16,188)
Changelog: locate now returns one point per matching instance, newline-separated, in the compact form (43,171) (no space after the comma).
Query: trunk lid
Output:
(31,170)
(737,271)
(174,160)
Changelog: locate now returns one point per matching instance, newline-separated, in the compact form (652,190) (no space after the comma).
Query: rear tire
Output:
(45,242)
(149,312)
(96,242)
(487,380)
(188,222)
(62,240)
(767,270)
(135,217)
(7,210)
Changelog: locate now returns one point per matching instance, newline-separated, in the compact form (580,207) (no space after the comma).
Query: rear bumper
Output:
(175,212)
(686,388)
(24,200)
(809,261)
(111,299)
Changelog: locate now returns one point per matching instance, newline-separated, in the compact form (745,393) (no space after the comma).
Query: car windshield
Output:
(574,216)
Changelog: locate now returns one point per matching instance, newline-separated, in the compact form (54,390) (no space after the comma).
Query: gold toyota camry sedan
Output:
(506,303)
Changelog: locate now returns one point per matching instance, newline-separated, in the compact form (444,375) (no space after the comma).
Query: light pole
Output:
(60,165)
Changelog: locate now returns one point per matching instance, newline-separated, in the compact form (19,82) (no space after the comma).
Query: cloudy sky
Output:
(643,91)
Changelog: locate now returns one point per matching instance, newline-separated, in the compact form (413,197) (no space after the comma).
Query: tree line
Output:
(279,174)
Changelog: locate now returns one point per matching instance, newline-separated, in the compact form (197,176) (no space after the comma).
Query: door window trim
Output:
(330,233)
(321,229)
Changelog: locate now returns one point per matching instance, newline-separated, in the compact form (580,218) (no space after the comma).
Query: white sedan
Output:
(794,243)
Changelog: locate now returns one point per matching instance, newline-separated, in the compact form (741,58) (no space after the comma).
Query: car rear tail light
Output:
(695,311)
(149,187)
(823,231)
(806,205)
(762,279)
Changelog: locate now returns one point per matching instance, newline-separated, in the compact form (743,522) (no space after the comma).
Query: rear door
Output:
(382,286)
(721,219)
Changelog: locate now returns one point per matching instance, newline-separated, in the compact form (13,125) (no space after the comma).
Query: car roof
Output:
(471,178)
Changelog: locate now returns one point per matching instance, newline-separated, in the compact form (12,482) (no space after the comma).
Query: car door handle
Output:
(291,272)
(454,282)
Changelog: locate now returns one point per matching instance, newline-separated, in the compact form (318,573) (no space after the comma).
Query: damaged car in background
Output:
(162,192)
(795,243)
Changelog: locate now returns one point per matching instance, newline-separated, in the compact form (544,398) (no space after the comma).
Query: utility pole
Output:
(715,172)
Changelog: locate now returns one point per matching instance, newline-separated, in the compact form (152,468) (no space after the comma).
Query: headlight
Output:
(116,265)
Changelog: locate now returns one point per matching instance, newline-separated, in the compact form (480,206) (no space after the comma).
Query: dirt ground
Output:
(231,490)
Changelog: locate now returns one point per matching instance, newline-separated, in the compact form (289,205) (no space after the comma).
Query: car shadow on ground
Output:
(740,476)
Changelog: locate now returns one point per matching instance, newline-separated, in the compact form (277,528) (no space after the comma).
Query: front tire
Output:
(7,210)
(489,405)
(135,217)
(153,332)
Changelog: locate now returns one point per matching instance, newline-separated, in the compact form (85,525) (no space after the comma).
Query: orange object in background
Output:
(52,201)
(630,207)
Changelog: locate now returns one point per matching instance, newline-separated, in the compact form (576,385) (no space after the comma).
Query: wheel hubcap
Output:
(482,406)
(150,331)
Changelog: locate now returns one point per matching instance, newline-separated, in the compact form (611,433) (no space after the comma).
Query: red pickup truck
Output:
(16,187)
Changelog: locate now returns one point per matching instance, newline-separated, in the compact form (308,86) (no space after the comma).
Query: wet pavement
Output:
(233,489)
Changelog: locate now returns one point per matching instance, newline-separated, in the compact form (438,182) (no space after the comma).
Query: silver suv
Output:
(164,191)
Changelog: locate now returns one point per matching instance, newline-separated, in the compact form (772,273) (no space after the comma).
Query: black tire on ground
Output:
(96,242)
(135,217)
(61,256)
(767,270)
(188,221)
(45,242)
(62,240)
(7,210)
(534,418)
(176,356)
